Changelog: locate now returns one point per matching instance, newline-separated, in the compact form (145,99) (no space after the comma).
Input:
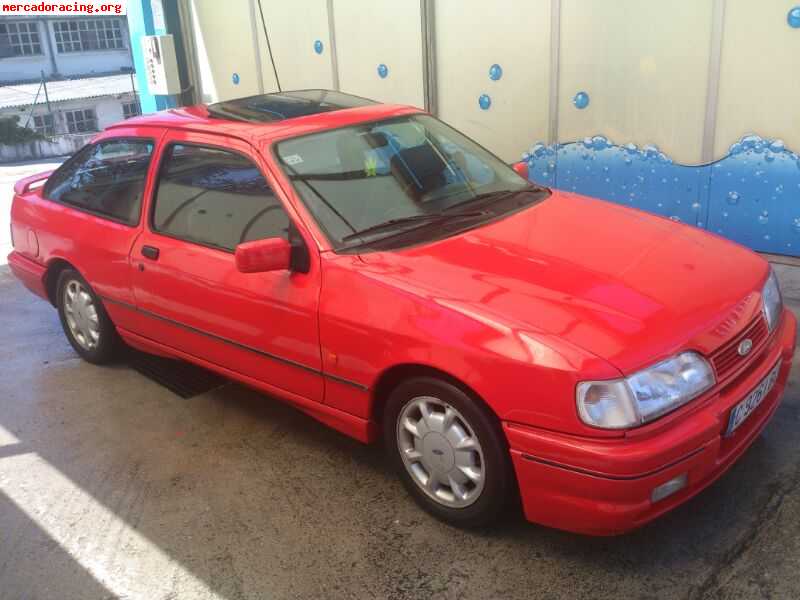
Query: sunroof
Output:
(266,108)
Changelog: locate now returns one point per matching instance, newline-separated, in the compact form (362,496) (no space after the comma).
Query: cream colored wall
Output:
(471,36)
(375,32)
(293,27)
(224,41)
(760,77)
(644,64)
(229,38)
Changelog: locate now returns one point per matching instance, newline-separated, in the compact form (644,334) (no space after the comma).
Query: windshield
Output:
(356,179)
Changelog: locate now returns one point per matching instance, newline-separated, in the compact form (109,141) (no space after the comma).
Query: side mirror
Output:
(521,168)
(260,256)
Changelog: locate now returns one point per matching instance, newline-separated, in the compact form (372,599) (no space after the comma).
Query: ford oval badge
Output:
(745,346)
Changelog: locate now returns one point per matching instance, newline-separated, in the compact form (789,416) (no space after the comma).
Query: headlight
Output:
(607,404)
(773,302)
(645,395)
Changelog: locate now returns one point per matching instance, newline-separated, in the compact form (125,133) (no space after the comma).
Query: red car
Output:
(393,279)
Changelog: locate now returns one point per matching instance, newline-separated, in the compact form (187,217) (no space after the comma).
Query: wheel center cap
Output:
(437,452)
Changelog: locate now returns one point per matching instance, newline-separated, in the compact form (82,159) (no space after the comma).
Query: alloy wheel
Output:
(81,315)
(441,452)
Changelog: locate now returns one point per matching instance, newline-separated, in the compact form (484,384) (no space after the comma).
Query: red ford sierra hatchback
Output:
(390,277)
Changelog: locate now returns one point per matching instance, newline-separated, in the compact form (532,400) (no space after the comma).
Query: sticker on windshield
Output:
(370,166)
(293,159)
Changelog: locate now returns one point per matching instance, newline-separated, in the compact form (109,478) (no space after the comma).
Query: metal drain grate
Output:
(181,378)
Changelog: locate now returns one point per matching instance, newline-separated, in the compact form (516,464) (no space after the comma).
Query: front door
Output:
(209,197)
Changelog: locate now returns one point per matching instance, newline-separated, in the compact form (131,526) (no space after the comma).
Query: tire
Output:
(467,484)
(84,320)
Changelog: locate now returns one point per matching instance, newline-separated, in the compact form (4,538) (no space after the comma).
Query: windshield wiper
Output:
(402,221)
(496,195)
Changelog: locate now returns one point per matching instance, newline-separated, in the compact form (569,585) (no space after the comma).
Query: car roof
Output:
(267,117)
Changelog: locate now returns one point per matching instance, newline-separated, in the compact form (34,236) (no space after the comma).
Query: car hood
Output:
(627,286)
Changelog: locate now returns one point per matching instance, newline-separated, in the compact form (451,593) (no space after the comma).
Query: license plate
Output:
(746,407)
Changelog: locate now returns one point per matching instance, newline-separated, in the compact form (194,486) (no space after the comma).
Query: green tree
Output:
(12,133)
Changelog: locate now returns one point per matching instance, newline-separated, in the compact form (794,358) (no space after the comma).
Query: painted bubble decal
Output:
(235,79)
(495,72)
(744,196)
(793,18)
(318,47)
(383,71)
(581,100)
(484,101)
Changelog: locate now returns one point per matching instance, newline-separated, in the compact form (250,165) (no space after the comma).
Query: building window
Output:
(44,124)
(131,109)
(89,34)
(19,39)
(81,121)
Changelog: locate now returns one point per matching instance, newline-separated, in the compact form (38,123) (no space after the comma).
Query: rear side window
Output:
(106,179)
(215,198)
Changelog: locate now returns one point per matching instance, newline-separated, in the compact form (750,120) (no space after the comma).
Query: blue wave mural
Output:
(752,195)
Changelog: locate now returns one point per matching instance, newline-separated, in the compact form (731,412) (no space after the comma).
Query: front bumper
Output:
(604,486)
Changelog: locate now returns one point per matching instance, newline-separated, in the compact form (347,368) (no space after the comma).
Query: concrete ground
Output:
(113,487)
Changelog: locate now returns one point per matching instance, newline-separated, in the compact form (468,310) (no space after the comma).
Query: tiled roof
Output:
(24,94)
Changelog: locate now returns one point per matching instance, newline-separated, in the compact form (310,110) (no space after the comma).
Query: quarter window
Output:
(88,34)
(81,121)
(215,198)
(19,39)
(105,178)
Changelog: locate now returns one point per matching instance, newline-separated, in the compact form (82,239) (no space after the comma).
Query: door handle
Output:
(150,252)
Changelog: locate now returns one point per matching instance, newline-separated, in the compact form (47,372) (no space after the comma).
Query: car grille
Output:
(727,359)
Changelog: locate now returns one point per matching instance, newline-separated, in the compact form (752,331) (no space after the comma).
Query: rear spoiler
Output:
(23,186)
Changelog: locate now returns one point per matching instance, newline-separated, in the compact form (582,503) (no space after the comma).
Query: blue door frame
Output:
(148,17)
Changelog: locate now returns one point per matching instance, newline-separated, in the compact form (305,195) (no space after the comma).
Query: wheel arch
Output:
(54,269)
(390,378)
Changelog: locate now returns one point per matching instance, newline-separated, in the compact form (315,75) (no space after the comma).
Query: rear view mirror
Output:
(375,139)
(521,168)
(261,256)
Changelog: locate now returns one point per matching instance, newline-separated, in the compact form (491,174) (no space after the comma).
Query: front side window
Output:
(106,178)
(88,34)
(81,121)
(215,198)
(19,39)
(368,181)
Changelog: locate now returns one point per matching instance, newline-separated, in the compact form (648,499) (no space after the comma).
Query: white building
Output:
(62,47)
(65,77)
